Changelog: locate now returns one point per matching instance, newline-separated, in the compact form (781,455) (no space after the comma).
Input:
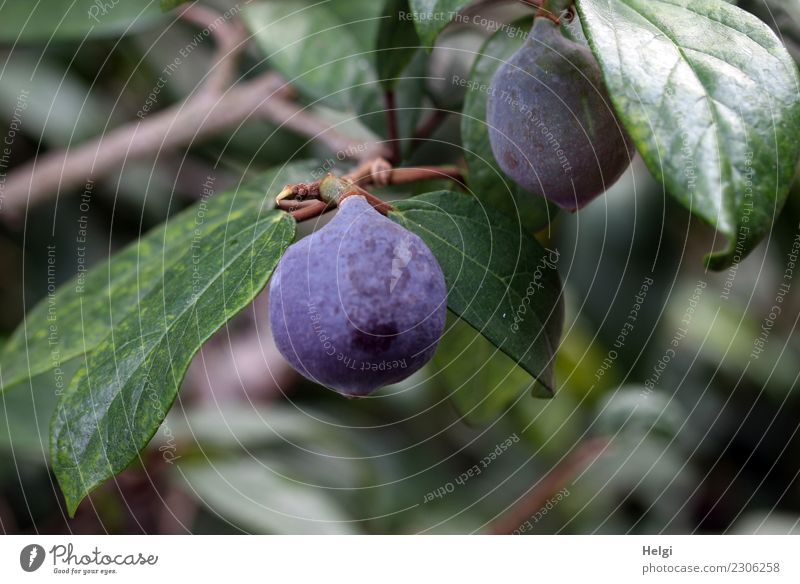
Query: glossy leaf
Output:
(485,179)
(167,5)
(78,316)
(432,16)
(121,394)
(25,415)
(500,280)
(710,97)
(783,16)
(317,52)
(73,20)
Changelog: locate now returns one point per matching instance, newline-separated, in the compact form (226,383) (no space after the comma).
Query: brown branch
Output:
(537,498)
(213,108)
(391,123)
(198,117)
(311,210)
(297,118)
(373,172)
(428,127)
(230,38)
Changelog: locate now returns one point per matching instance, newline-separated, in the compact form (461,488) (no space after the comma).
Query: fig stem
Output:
(308,200)
(366,174)
(391,122)
(427,128)
(311,210)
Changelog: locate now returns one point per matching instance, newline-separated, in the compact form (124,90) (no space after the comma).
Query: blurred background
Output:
(664,420)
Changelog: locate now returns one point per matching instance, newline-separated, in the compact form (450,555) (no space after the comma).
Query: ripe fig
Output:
(551,125)
(358,304)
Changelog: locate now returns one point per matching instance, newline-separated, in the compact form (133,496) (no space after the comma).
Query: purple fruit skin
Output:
(359,304)
(551,123)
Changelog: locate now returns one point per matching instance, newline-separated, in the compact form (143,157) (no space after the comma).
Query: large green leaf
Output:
(396,42)
(45,20)
(167,5)
(77,317)
(318,53)
(25,415)
(712,100)
(257,496)
(432,16)
(499,279)
(485,179)
(783,16)
(120,396)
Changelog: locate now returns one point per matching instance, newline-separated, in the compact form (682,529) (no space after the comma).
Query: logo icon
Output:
(31,557)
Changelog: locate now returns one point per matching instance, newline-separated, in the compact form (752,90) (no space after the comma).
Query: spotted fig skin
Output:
(550,120)
(358,304)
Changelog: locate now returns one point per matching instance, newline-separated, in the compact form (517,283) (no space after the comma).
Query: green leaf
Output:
(261,498)
(710,97)
(783,16)
(485,179)
(432,16)
(500,280)
(76,318)
(233,425)
(396,44)
(25,415)
(121,394)
(481,380)
(167,5)
(317,52)
(22,21)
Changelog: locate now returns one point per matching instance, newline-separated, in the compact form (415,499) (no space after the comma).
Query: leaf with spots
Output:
(123,391)
(711,99)
(77,317)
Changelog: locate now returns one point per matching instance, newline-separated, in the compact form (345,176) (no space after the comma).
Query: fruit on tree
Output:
(551,124)
(358,304)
